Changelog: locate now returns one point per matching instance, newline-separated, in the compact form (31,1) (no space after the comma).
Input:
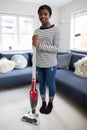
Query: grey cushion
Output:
(63,61)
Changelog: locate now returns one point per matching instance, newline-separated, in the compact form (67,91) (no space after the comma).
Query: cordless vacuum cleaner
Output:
(32,117)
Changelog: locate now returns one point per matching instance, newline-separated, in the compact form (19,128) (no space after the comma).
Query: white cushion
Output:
(6,65)
(21,61)
(81,67)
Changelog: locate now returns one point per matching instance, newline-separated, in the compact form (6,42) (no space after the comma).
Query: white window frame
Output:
(17,16)
(72,28)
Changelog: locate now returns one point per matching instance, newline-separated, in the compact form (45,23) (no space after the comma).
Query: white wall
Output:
(65,16)
(15,7)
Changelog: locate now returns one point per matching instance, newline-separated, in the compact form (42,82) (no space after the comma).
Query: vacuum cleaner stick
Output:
(32,117)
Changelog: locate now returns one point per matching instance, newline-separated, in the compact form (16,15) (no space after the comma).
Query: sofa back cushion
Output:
(30,58)
(74,58)
(63,60)
(0,55)
(9,55)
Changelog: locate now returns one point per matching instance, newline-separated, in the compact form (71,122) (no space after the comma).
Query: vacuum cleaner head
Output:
(31,118)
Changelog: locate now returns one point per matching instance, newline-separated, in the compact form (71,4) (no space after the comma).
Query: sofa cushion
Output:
(85,101)
(16,77)
(71,79)
(9,55)
(63,61)
(6,65)
(72,85)
(20,60)
(0,55)
(74,58)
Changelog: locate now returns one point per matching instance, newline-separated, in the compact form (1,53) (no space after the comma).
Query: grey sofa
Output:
(73,86)
(16,77)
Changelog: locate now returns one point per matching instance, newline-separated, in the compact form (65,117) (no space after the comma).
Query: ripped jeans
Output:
(47,77)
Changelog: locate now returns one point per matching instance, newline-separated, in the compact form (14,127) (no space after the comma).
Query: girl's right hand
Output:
(35,41)
(35,38)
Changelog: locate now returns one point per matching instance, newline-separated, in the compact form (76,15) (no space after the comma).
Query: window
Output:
(16,32)
(79,31)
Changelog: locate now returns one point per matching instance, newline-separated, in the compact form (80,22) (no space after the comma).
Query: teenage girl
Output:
(46,41)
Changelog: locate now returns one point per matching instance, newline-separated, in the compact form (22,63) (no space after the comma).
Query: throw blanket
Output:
(81,67)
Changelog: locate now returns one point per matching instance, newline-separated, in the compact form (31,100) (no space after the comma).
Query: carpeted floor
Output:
(14,103)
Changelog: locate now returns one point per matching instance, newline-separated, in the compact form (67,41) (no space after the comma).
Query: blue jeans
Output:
(47,76)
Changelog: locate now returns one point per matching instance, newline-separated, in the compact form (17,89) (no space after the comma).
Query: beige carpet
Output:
(14,103)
